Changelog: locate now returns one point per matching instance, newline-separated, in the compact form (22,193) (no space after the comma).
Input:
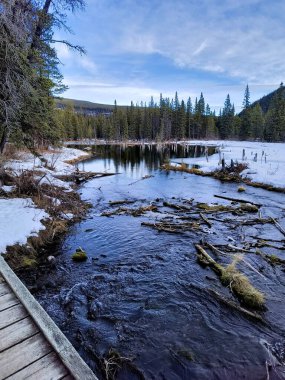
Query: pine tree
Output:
(227,117)
(189,117)
(246,101)
(245,125)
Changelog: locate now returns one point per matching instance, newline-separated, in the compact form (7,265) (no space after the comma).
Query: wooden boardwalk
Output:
(31,345)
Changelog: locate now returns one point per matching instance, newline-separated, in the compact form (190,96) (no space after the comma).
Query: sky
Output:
(138,49)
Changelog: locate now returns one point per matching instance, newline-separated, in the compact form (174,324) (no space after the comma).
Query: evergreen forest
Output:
(175,119)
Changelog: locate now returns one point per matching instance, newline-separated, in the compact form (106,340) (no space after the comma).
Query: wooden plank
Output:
(23,354)
(59,342)
(47,368)
(12,315)
(7,301)
(4,289)
(1,279)
(17,332)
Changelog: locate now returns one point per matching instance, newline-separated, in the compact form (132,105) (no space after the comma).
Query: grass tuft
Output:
(241,286)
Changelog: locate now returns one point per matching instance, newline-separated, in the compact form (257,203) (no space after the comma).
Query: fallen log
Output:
(176,207)
(205,219)
(235,306)
(279,227)
(237,200)
(238,283)
(121,202)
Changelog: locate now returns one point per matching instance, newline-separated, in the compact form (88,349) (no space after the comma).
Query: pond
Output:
(141,301)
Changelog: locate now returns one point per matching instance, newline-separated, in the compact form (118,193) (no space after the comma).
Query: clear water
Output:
(142,292)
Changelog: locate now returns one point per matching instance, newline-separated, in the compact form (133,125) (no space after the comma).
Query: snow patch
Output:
(266,161)
(19,219)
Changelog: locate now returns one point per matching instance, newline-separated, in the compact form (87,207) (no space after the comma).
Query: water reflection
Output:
(131,159)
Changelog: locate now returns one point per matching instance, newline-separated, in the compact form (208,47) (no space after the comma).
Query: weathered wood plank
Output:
(47,368)
(4,289)
(12,315)
(23,354)
(59,342)
(8,300)
(16,333)
(1,279)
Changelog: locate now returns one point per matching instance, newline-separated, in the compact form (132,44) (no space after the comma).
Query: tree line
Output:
(172,119)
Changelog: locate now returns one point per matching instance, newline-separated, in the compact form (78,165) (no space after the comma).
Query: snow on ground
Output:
(51,163)
(19,219)
(266,161)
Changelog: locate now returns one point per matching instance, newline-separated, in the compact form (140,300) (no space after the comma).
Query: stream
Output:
(141,306)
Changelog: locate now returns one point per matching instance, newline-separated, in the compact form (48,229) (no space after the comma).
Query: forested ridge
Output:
(175,119)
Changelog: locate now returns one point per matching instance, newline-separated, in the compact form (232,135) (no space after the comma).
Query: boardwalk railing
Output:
(31,344)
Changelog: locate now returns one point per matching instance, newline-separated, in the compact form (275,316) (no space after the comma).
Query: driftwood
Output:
(251,222)
(162,227)
(80,177)
(238,283)
(172,227)
(280,228)
(235,306)
(237,200)
(214,249)
(205,219)
(129,211)
(176,207)
(121,202)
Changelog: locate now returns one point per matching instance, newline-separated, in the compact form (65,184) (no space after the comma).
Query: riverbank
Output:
(38,203)
(262,162)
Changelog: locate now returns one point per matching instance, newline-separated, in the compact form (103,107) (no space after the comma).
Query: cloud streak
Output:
(163,46)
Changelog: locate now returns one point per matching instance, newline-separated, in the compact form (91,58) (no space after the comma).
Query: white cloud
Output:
(242,39)
(239,41)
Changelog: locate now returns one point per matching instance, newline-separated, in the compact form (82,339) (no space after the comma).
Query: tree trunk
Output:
(3,140)
(39,29)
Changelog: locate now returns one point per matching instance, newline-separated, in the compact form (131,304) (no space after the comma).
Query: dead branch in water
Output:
(121,202)
(235,306)
(237,200)
(238,283)
(172,227)
(280,228)
(176,207)
(205,220)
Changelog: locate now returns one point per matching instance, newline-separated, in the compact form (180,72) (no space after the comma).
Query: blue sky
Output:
(138,49)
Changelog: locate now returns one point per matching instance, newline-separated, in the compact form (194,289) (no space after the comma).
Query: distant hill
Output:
(82,106)
(265,101)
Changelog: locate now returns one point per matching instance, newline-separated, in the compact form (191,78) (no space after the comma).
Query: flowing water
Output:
(141,293)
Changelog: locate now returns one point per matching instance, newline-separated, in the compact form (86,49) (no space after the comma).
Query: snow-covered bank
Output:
(50,164)
(266,161)
(20,218)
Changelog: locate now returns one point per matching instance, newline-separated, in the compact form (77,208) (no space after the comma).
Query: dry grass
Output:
(241,287)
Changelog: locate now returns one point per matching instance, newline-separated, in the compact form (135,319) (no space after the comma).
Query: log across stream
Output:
(160,295)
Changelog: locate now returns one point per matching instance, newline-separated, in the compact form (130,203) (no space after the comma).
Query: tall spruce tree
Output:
(227,117)
(245,125)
